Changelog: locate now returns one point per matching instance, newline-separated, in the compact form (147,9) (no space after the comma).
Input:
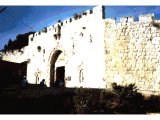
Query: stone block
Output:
(145,18)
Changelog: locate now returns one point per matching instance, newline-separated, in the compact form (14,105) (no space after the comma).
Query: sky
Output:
(22,19)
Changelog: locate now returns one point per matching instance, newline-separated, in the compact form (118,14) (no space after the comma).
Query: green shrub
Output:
(106,104)
(122,99)
(127,99)
(124,92)
(93,101)
(86,100)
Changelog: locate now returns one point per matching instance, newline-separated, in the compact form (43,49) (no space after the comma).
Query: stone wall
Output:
(95,52)
(132,52)
(81,42)
(17,56)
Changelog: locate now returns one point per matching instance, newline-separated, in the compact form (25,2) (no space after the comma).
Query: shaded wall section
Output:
(11,73)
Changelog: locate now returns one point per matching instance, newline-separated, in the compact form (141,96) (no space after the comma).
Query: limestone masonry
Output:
(91,51)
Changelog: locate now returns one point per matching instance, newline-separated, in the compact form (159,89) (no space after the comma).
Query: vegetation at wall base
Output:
(121,100)
(118,100)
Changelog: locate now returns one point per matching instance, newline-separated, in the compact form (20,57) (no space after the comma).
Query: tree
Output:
(5,47)
(20,42)
(9,42)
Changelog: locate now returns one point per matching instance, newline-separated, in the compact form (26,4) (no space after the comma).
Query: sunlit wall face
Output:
(81,43)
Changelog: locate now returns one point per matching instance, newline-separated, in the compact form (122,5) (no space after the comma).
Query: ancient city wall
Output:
(81,42)
(132,52)
(17,56)
(106,51)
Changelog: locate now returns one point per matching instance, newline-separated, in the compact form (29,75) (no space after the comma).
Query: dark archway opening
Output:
(60,74)
(56,74)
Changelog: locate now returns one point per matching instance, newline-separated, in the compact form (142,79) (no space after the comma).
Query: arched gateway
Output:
(57,73)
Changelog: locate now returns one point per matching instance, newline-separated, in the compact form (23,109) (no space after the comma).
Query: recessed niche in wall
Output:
(39,48)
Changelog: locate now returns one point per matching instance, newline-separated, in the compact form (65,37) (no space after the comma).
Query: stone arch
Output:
(52,60)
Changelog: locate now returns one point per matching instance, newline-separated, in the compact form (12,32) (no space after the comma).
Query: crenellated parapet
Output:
(127,26)
(129,19)
(143,18)
(56,28)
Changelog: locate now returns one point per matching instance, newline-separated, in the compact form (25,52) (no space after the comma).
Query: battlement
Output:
(144,18)
(127,19)
(110,20)
(96,10)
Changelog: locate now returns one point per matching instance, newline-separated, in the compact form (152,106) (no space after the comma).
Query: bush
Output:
(86,100)
(91,101)
(127,99)
(121,100)
(106,104)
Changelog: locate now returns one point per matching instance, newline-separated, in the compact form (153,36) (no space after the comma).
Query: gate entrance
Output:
(60,74)
(54,75)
